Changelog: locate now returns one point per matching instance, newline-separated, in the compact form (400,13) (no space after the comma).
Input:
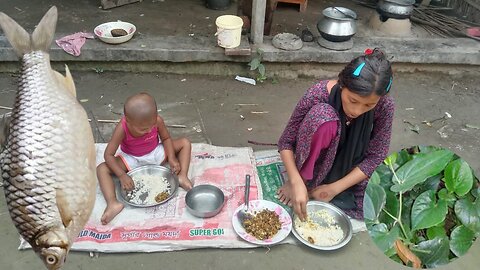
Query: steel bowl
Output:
(338,24)
(155,170)
(341,219)
(395,9)
(204,201)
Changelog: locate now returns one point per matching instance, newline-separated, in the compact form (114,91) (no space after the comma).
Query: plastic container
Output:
(229,31)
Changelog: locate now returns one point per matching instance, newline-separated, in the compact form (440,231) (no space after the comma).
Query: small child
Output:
(138,134)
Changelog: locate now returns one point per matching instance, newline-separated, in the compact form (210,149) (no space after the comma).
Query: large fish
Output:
(48,158)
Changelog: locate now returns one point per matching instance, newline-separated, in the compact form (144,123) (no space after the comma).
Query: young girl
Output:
(337,135)
(138,134)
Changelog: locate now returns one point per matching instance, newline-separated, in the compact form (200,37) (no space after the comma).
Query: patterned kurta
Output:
(304,122)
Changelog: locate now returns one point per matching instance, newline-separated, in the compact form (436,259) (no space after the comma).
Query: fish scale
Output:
(48,162)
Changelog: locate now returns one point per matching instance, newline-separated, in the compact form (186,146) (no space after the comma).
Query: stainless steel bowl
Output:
(338,24)
(204,201)
(341,219)
(395,9)
(155,170)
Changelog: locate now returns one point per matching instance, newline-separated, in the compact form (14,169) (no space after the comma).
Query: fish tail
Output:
(41,38)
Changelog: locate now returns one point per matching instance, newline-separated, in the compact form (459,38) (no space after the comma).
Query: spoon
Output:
(243,214)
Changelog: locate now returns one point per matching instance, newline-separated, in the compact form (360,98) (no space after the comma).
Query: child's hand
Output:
(127,182)
(174,165)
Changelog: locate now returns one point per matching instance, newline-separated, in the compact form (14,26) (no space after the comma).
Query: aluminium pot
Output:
(395,9)
(338,24)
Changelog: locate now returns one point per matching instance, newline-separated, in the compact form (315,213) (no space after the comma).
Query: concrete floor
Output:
(210,103)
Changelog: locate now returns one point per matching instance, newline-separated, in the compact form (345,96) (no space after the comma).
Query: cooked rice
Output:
(317,234)
(147,187)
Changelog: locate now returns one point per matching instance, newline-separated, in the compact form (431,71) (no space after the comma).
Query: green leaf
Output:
(434,252)
(428,149)
(468,213)
(427,212)
(390,160)
(375,178)
(437,231)
(392,206)
(450,198)
(254,63)
(384,238)
(475,192)
(420,168)
(458,177)
(432,183)
(385,175)
(461,239)
(395,258)
(373,201)
(261,70)
(402,158)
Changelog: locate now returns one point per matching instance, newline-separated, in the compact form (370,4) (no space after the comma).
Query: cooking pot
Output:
(395,9)
(338,24)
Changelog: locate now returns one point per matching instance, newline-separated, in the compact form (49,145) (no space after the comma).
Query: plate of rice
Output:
(154,185)
(269,225)
(327,227)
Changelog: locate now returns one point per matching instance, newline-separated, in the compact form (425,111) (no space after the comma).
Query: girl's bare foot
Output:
(111,211)
(283,194)
(185,183)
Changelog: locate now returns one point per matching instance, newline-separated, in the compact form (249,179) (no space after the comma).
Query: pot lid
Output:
(339,13)
(401,2)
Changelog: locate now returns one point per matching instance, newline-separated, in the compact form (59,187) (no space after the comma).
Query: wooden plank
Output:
(107,4)
(242,49)
(258,20)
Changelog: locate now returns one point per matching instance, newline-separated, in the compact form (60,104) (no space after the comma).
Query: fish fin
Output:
(63,208)
(66,80)
(4,129)
(16,35)
(43,35)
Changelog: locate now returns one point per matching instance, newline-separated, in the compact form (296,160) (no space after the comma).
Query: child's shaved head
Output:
(140,107)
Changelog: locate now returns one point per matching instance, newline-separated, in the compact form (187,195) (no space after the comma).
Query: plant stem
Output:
(390,215)
(399,221)
(399,218)
(394,174)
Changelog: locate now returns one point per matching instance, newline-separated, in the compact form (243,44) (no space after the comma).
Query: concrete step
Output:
(204,49)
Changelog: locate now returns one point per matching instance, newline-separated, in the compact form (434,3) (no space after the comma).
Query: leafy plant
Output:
(422,205)
(256,64)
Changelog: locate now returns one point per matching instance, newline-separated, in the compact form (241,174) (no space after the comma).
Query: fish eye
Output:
(51,259)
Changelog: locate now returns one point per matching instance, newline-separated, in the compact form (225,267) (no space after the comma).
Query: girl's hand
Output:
(294,194)
(127,182)
(174,165)
(324,193)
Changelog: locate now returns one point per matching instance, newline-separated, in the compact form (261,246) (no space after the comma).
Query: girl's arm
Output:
(377,151)
(112,147)
(299,194)
(167,144)
(328,191)
(289,135)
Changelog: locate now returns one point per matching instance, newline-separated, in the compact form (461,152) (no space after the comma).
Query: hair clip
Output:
(368,51)
(357,71)
(389,84)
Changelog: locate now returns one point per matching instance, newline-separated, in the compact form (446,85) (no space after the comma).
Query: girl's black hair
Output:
(368,74)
